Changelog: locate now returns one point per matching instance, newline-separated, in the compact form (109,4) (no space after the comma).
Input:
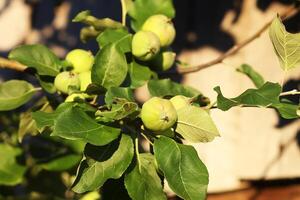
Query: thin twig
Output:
(292,92)
(124,12)
(10,64)
(184,70)
(147,138)
(138,153)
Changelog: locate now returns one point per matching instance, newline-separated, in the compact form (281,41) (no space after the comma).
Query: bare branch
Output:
(184,70)
(10,64)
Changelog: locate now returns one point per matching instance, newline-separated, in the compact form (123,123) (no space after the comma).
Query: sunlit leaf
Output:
(286,45)
(196,125)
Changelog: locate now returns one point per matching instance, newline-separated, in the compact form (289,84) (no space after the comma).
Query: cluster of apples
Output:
(160,114)
(151,43)
(79,78)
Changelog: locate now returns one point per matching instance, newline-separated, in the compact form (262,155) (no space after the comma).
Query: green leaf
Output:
(196,125)
(120,93)
(286,109)
(110,67)
(139,74)
(187,176)
(47,83)
(120,37)
(103,163)
(11,173)
(87,33)
(75,124)
(99,24)
(26,125)
(286,45)
(263,96)
(119,110)
(38,57)
(266,96)
(15,93)
(62,163)
(255,77)
(143,183)
(166,87)
(45,119)
(142,9)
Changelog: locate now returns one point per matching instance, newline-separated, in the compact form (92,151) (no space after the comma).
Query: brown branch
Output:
(10,64)
(184,70)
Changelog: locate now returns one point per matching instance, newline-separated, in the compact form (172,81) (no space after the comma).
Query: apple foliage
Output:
(101,124)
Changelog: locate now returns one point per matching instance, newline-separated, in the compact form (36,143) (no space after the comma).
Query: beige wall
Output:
(250,142)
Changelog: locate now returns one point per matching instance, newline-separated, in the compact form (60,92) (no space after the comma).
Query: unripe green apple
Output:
(64,80)
(164,61)
(163,27)
(180,101)
(85,80)
(145,45)
(73,96)
(158,114)
(81,60)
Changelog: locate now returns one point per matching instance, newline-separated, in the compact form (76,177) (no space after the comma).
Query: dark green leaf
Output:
(143,183)
(120,37)
(255,77)
(75,124)
(11,173)
(46,84)
(119,110)
(265,96)
(45,119)
(140,10)
(187,176)
(103,163)
(118,92)
(166,87)
(139,74)
(110,67)
(62,163)
(287,110)
(15,93)
(38,57)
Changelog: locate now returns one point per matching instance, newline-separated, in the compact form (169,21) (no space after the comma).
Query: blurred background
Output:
(257,156)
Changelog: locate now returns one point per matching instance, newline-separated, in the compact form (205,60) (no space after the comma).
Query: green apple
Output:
(158,114)
(81,60)
(73,96)
(85,80)
(163,27)
(164,60)
(145,45)
(64,80)
(180,101)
